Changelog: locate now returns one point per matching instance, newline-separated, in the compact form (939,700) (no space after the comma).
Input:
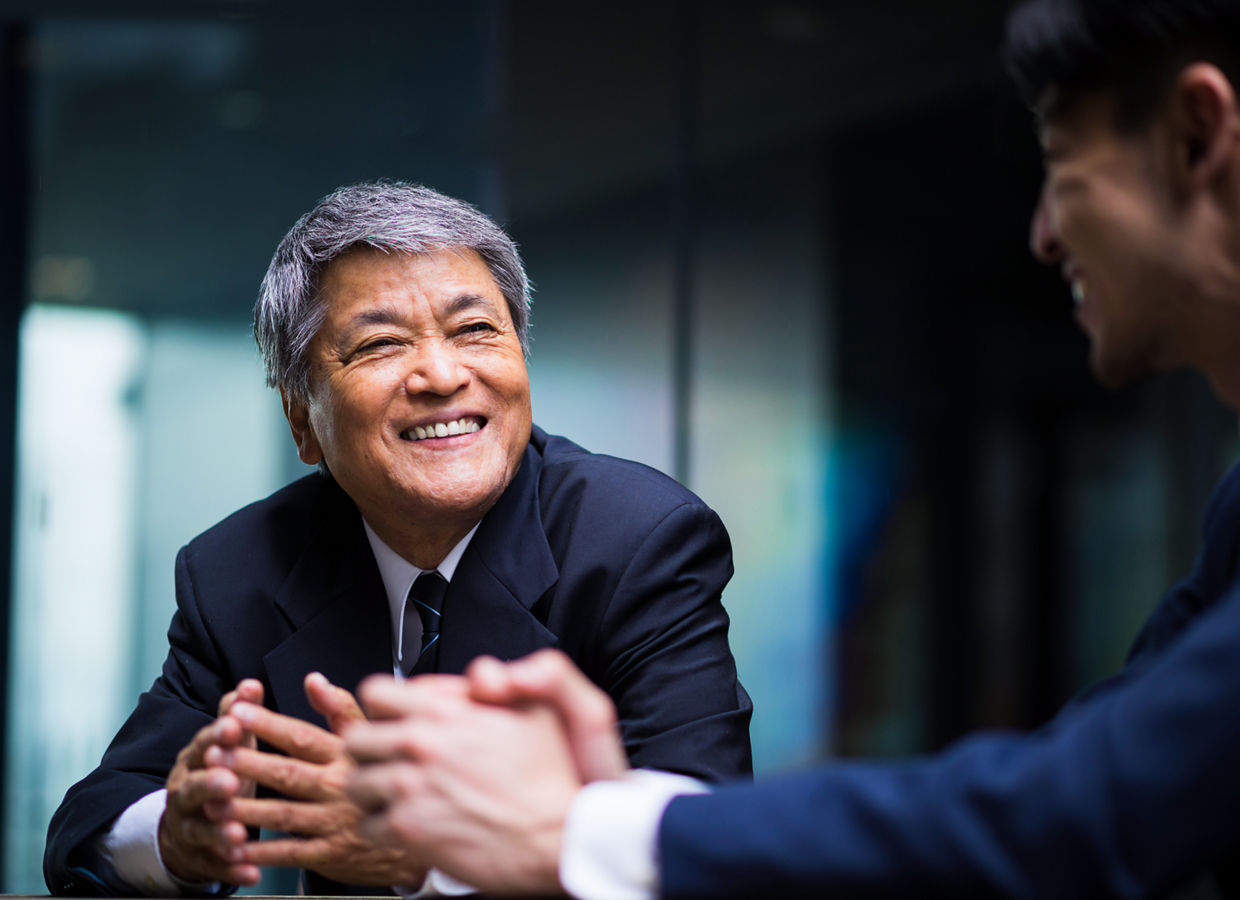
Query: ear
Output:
(298,414)
(1206,124)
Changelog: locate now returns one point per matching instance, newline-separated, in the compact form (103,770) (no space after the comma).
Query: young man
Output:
(1131,791)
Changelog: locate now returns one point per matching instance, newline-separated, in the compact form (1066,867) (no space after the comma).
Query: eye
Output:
(370,347)
(478,328)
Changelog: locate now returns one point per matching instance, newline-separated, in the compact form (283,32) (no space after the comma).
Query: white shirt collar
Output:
(399,574)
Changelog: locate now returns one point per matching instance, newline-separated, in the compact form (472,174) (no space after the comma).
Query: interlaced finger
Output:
(292,816)
(291,777)
(295,737)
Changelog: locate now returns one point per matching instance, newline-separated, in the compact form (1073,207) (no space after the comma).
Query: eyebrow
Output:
(348,334)
(381,315)
(389,315)
(464,302)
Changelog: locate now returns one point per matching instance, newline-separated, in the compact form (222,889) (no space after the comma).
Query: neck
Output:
(424,547)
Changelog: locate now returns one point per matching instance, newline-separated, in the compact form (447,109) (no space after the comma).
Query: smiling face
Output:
(1106,215)
(1137,222)
(419,400)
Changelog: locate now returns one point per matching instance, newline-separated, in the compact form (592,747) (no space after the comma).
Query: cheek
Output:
(361,401)
(505,378)
(519,416)
(518,382)
(333,427)
(521,396)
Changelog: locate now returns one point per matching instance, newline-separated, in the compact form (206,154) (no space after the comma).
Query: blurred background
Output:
(779,251)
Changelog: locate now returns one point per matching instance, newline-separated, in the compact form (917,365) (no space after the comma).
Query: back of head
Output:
(391,216)
(1130,48)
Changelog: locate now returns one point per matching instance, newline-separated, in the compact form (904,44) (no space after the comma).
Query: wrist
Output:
(545,846)
(544,874)
(169,858)
(163,844)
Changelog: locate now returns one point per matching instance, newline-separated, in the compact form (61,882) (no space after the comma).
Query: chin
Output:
(466,502)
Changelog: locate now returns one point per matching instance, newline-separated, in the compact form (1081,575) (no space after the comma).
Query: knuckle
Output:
(284,772)
(596,712)
(301,743)
(335,779)
(556,661)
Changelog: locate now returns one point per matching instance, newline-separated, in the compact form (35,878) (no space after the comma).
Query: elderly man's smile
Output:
(422,408)
(448,428)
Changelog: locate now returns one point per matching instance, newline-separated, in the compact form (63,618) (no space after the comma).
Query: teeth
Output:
(442,429)
(1078,292)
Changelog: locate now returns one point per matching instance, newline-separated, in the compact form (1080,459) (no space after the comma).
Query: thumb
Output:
(334,703)
(586,713)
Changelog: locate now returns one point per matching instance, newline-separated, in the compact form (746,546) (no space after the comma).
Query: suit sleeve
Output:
(1127,793)
(180,702)
(664,640)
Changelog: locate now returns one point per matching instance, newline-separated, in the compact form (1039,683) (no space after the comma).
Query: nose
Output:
(436,369)
(1044,242)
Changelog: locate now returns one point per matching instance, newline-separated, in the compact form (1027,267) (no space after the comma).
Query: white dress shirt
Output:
(131,845)
(611,837)
(398,576)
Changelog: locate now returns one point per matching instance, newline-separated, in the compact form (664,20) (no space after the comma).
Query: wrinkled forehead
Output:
(368,261)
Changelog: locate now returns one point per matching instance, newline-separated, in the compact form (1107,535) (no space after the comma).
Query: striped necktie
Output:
(426,597)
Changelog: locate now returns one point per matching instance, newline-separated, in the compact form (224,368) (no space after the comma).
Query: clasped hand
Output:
(204,834)
(472,774)
(476,774)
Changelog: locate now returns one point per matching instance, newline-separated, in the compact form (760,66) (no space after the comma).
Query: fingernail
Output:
(243,712)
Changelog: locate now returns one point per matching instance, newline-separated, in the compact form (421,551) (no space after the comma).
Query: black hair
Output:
(1130,48)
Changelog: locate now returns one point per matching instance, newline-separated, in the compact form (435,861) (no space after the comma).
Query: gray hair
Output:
(392,216)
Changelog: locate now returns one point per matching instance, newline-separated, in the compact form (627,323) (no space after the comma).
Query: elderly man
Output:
(442,526)
(1131,791)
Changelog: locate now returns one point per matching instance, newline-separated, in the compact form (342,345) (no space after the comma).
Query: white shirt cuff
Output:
(131,847)
(436,884)
(610,849)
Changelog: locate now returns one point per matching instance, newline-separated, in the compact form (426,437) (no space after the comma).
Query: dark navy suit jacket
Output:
(611,561)
(1131,791)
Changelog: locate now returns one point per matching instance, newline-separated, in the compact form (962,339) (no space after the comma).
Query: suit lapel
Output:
(335,601)
(507,567)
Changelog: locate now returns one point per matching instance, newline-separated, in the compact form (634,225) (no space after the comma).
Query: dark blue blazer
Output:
(611,561)
(1131,791)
